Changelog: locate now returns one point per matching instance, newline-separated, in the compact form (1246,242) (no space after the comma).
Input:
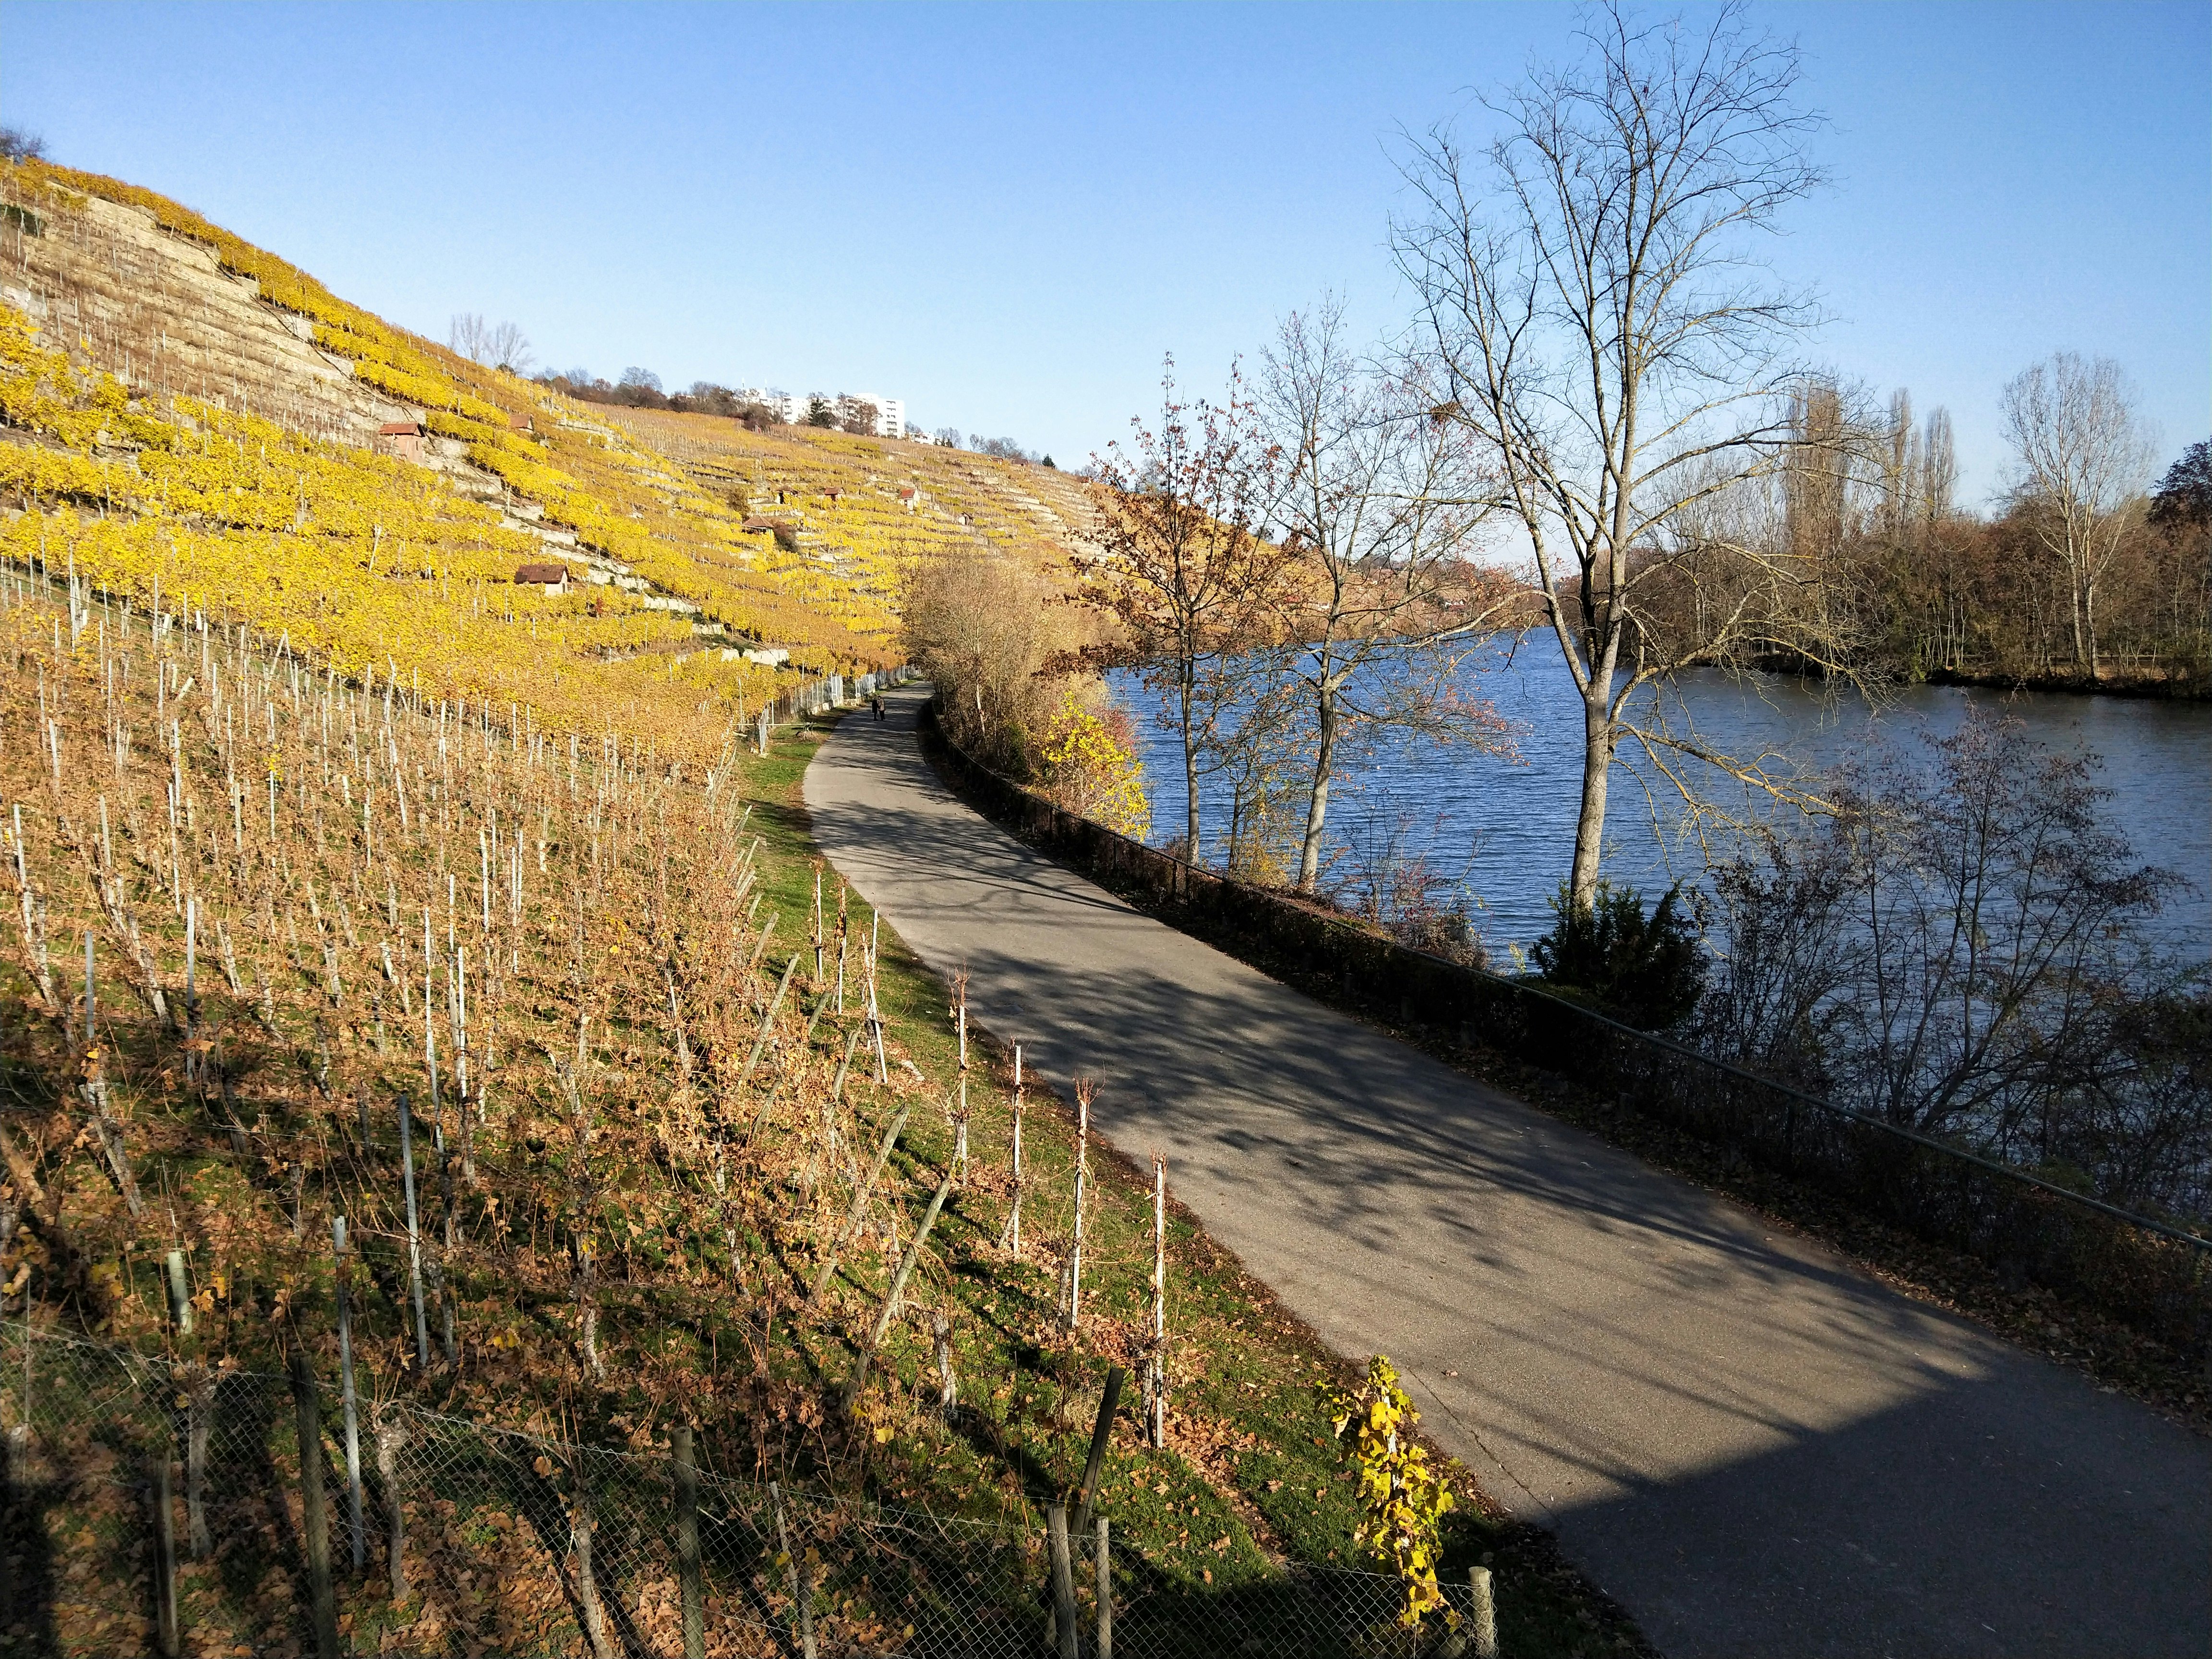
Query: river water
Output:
(1505,830)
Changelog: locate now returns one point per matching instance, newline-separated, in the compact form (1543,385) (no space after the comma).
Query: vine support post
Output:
(413,1234)
(1155,1361)
(890,1309)
(859,1210)
(180,1301)
(948,1390)
(875,1020)
(1083,1091)
(347,1394)
(1014,1214)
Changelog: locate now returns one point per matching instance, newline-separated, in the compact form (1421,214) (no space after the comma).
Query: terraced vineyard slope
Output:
(308,809)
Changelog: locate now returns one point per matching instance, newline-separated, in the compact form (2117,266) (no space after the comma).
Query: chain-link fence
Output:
(448,1536)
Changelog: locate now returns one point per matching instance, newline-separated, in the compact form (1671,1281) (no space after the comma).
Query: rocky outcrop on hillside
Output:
(104,282)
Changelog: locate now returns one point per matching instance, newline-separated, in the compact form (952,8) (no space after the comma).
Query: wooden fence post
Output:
(1063,1582)
(687,1541)
(583,1524)
(1484,1638)
(1101,1432)
(165,1562)
(10,1456)
(1103,1571)
(197,1385)
(313,1523)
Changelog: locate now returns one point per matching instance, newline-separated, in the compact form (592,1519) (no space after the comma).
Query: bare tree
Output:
(1958,949)
(1817,472)
(495,345)
(985,630)
(1380,505)
(21,144)
(2084,456)
(1599,330)
(1183,564)
(1938,469)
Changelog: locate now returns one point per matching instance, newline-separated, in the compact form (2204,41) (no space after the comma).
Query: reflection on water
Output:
(1509,828)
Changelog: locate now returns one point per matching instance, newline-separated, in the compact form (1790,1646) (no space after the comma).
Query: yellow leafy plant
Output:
(1403,1500)
(1092,770)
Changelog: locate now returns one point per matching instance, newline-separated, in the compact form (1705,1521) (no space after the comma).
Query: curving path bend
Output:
(1752,1445)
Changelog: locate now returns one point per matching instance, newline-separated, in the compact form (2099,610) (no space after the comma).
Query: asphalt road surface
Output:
(1752,1445)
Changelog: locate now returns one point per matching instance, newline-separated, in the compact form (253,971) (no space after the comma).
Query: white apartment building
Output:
(891,412)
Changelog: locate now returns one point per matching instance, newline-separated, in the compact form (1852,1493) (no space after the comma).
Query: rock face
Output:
(105,281)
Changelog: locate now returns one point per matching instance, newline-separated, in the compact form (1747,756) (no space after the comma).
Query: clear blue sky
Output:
(1005,214)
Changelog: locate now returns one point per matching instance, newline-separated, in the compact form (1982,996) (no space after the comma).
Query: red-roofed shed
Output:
(401,438)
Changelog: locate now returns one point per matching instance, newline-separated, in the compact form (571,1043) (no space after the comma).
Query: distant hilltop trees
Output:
(864,414)
(640,388)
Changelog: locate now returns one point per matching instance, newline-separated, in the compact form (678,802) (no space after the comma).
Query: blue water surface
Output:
(1505,828)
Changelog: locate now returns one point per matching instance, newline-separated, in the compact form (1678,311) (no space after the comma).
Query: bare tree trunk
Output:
(2082,657)
(1599,738)
(582,1523)
(2089,617)
(391,1436)
(199,1407)
(1189,691)
(1317,806)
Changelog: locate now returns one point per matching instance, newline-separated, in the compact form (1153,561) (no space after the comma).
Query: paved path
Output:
(1756,1448)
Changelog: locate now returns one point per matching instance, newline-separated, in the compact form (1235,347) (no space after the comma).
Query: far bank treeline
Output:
(2072,583)
(2066,585)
